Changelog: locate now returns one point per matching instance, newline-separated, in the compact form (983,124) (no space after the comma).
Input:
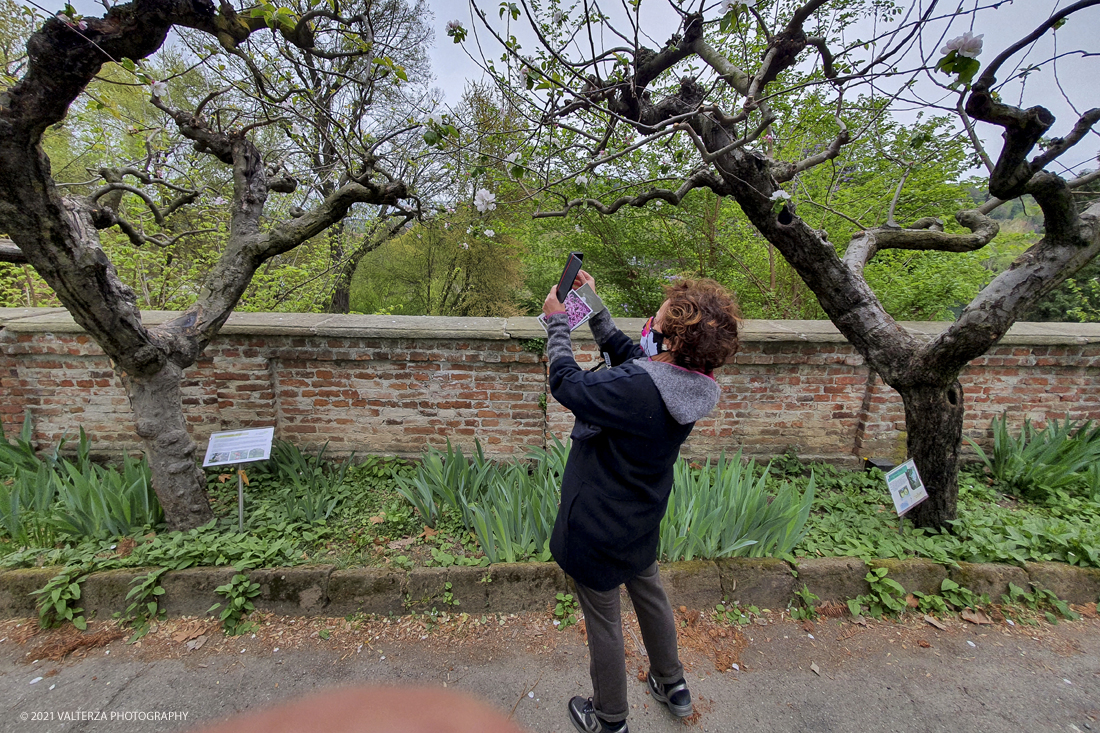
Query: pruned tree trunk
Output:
(934,421)
(177,479)
(58,233)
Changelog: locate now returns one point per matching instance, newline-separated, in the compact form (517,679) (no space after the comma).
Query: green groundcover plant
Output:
(57,507)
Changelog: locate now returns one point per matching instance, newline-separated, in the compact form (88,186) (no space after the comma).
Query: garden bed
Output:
(396,527)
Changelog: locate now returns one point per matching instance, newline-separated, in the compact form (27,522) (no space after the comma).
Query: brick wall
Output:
(392,385)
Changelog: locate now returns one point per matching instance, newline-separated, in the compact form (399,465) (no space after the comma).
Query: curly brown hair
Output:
(703,319)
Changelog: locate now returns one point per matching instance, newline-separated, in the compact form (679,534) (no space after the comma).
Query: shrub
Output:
(725,510)
(1040,464)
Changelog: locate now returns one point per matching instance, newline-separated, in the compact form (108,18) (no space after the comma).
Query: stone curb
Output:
(322,590)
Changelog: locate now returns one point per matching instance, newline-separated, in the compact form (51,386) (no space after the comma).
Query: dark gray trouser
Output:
(603,622)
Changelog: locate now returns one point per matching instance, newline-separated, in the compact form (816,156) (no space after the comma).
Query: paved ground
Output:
(882,677)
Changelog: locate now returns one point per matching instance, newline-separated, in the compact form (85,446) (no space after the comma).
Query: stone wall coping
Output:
(319,590)
(58,320)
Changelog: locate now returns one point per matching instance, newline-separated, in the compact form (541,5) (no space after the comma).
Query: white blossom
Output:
(511,158)
(489,233)
(967,45)
(578,228)
(465,246)
(484,200)
(434,120)
(446,225)
(780,194)
(558,17)
(160,89)
(728,5)
(219,201)
(454,25)
(582,180)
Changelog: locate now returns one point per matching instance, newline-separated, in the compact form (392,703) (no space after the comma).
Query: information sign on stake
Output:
(234,448)
(906,487)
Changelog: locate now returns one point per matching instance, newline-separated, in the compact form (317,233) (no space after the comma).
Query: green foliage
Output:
(56,599)
(959,597)
(97,501)
(20,21)
(144,607)
(717,511)
(50,495)
(26,508)
(1041,464)
(448,479)
(535,346)
(887,596)
(510,509)
(964,67)
(565,610)
(726,511)
(19,455)
(853,517)
(465,264)
(735,614)
(515,515)
(312,489)
(211,544)
(1041,600)
(930,603)
(507,510)
(238,594)
(804,604)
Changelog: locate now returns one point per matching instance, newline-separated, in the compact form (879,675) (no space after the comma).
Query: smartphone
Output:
(572,267)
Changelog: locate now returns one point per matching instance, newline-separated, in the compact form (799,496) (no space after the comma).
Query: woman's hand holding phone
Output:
(582,278)
(552,305)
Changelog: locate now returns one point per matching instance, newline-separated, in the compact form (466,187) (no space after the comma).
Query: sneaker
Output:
(585,720)
(675,694)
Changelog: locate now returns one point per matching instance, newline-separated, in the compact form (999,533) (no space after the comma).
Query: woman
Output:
(631,420)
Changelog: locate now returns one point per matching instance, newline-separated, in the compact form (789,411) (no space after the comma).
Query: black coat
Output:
(620,468)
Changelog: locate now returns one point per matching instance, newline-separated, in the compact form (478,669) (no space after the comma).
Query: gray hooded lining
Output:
(688,395)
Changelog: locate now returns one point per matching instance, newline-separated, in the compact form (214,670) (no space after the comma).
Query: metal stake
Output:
(240,500)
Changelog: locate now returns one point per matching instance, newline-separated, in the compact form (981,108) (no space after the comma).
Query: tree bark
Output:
(177,480)
(933,421)
(341,292)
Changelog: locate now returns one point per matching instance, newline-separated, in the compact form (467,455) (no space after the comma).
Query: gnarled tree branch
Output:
(922,235)
(700,179)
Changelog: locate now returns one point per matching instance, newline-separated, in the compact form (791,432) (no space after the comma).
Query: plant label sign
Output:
(906,487)
(239,446)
